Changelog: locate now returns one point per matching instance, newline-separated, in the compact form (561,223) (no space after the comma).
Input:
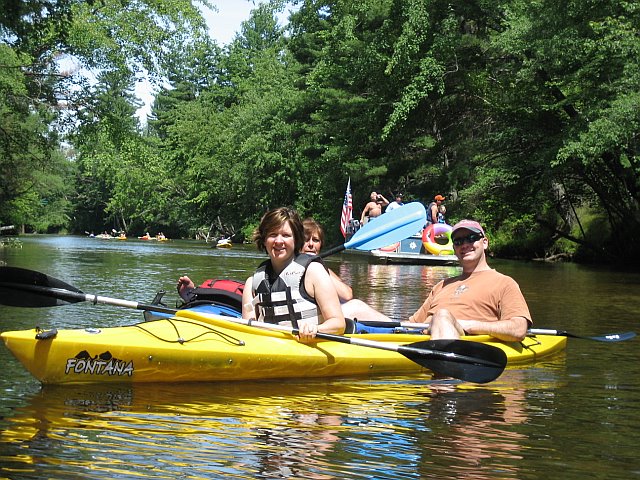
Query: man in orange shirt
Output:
(480,300)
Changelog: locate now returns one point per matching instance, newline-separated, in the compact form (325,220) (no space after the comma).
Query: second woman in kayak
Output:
(291,287)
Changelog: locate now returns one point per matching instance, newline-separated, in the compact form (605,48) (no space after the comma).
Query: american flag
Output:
(347,210)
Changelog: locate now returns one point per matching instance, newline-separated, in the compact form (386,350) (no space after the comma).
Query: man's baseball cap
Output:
(439,198)
(469,225)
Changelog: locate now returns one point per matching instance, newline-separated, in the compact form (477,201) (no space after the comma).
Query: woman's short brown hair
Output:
(274,220)
(311,227)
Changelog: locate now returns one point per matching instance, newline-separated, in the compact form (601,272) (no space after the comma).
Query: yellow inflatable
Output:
(433,235)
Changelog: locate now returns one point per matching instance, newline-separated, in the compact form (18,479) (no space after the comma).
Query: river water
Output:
(576,415)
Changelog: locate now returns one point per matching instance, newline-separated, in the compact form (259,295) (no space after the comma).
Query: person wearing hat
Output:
(433,209)
(480,301)
(396,203)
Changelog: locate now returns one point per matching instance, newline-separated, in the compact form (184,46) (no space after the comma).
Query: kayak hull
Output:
(193,347)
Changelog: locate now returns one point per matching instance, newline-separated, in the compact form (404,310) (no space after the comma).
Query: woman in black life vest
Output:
(291,286)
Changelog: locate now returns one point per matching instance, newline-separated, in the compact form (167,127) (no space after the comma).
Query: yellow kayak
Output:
(192,347)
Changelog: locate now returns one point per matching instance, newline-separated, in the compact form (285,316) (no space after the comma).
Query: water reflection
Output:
(396,290)
(299,445)
(242,429)
(481,431)
(477,431)
(262,430)
(578,412)
(277,430)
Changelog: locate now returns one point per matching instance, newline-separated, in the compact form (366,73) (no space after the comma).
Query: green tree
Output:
(566,109)
(40,40)
(502,105)
(232,144)
(33,173)
(106,124)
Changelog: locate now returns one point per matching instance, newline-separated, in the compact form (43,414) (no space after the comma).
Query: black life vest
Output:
(284,299)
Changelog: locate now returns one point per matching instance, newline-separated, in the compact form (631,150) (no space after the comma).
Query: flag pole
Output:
(347,210)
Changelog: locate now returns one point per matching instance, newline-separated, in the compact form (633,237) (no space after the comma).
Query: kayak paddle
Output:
(20,287)
(469,361)
(462,359)
(607,337)
(388,228)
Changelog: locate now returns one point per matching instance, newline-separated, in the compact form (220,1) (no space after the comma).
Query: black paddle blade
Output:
(609,337)
(469,361)
(20,287)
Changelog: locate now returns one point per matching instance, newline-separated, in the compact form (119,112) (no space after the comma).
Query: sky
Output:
(223,26)
(224,23)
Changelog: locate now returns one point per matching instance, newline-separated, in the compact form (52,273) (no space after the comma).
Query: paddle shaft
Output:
(392,324)
(332,251)
(607,337)
(362,342)
(70,296)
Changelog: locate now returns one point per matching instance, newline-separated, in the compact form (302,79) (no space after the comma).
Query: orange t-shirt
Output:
(487,295)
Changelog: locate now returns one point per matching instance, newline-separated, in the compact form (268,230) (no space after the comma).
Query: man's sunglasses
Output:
(472,238)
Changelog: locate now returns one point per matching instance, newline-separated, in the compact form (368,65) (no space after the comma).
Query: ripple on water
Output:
(575,414)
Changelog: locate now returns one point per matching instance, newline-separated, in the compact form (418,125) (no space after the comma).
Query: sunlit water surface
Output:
(575,415)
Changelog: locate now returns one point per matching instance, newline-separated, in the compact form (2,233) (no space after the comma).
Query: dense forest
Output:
(525,115)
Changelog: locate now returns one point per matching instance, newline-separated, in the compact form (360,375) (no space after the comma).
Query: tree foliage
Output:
(524,114)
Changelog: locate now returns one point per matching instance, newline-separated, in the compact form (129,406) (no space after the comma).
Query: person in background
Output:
(480,300)
(351,307)
(432,210)
(442,210)
(291,287)
(396,203)
(373,209)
